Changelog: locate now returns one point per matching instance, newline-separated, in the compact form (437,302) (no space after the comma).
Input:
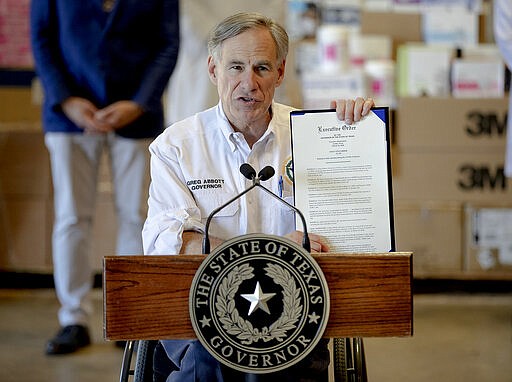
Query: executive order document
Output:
(341,179)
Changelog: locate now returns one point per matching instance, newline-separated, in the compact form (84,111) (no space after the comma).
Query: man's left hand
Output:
(318,243)
(350,110)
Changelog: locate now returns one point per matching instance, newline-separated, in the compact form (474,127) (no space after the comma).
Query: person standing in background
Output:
(104,65)
(503,36)
(185,97)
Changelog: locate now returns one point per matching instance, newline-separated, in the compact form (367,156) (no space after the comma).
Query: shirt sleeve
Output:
(45,48)
(503,28)
(172,209)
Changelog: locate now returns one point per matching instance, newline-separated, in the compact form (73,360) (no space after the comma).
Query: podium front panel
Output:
(146,297)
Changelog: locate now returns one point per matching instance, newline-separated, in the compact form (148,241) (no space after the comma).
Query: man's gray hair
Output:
(238,23)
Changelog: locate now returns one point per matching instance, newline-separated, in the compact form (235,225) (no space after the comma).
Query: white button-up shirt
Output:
(195,168)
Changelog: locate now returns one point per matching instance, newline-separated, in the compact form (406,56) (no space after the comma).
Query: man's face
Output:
(246,75)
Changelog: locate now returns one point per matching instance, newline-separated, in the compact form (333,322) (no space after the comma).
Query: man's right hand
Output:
(81,112)
(193,243)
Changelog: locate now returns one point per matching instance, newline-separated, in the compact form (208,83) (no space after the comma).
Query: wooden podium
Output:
(146,297)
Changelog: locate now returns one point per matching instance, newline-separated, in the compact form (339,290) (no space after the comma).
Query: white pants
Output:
(75,160)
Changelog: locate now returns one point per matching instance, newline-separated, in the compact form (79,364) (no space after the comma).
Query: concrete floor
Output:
(457,337)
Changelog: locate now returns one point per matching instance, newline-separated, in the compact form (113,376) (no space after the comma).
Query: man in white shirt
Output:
(195,169)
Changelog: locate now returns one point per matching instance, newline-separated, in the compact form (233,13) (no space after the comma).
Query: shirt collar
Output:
(229,132)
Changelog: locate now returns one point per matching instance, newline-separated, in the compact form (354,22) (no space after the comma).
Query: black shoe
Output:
(68,340)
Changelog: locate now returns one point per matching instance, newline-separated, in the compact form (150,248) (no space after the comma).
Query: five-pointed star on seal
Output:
(313,318)
(258,299)
(205,321)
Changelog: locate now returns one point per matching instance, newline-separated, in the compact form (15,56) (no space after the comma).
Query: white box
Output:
(318,89)
(407,6)
(423,70)
(380,82)
(454,26)
(488,243)
(481,51)
(364,47)
(305,58)
(346,12)
(377,5)
(472,5)
(478,78)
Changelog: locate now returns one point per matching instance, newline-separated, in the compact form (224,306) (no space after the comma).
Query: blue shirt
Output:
(128,53)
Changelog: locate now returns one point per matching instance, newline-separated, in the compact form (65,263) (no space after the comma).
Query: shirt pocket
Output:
(284,213)
(208,201)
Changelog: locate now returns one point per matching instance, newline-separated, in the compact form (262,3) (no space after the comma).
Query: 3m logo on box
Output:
(482,178)
(463,176)
(461,124)
(485,124)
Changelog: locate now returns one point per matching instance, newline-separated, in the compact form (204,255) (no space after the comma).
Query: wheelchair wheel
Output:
(142,370)
(349,360)
(340,359)
(126,369)
(359,361)
(144,364)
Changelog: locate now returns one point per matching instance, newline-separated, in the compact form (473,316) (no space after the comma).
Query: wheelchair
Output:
(348,360)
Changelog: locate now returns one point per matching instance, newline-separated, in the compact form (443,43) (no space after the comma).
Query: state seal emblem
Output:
(259,303)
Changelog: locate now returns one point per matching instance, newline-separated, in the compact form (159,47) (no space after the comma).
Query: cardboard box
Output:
(28,234)
(458,176)
(18,106)
(488,239)
(433,232)
(26,211)
(24,164)
(399,26)
(26,226)
(450,124)
(26,206)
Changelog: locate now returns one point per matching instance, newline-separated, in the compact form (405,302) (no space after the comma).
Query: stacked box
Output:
(25,198)
(18,108)
(448,153)
(26,206)
(400,27)
(26,193)
(488,239)
(432,231)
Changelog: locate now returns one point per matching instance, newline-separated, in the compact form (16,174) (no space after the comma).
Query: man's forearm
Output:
(193,243)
